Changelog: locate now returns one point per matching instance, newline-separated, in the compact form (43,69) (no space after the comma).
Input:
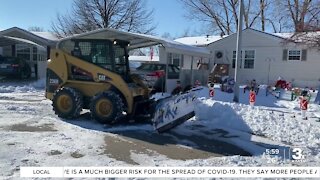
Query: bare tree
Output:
(167,35)
(222,15)
(262,13)
(87,15)
(303,15)
(213,13)
(185,33)
(36,29)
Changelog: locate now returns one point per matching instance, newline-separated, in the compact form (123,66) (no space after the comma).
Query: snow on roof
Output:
(143,58)
(46,35)
(199,40)
(284,35)
(303,37)
(205,40)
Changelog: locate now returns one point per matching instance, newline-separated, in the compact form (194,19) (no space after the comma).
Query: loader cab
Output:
(110,55)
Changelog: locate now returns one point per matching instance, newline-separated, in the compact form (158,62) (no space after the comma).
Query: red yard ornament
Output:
(252,97)
(303,103)
(211,89)
(304,107)
(211,92)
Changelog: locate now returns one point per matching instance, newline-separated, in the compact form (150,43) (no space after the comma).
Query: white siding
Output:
(186,58)
(162,55)
(269,49)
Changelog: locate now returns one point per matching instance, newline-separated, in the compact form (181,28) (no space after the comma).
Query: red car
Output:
(154,74)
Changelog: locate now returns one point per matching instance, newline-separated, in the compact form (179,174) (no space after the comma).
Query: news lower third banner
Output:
(165,172)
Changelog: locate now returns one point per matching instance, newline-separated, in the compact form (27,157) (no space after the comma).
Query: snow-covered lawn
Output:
(32,135)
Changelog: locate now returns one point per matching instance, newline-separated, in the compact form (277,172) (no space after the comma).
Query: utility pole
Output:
(238,50)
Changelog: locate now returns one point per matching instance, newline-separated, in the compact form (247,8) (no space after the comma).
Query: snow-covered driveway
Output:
(221,134)
(32,135)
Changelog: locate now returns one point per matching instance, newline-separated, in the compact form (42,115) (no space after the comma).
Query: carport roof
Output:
(140,40)
(40,38)
(8,41)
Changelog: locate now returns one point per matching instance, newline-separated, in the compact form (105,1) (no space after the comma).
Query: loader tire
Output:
(107,107)
(67,103)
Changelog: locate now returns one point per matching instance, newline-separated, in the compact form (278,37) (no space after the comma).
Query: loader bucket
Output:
(174,110)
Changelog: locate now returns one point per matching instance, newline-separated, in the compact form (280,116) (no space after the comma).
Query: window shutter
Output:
(285,55)
(304,55)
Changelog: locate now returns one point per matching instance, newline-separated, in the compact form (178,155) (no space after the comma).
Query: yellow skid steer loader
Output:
(91,71)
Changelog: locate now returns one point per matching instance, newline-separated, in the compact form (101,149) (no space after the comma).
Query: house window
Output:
(23,51)
(294,55)
(249,59)
(174,58)
(249,56)
(234,55)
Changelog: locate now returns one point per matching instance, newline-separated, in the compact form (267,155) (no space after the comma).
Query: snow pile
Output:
(272,121)
(20,108)
(271,118)
(221,114)
(14,87)
(259,121)
(17,89)
(5,89)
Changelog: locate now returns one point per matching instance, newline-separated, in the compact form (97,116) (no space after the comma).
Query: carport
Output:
(38,69)
(34,49)
(141,40)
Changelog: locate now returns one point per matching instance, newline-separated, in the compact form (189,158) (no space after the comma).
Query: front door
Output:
(219,71)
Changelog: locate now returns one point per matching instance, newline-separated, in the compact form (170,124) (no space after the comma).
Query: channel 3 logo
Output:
(297,154)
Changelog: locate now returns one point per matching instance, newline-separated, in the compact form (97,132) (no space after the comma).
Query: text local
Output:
(40,171)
